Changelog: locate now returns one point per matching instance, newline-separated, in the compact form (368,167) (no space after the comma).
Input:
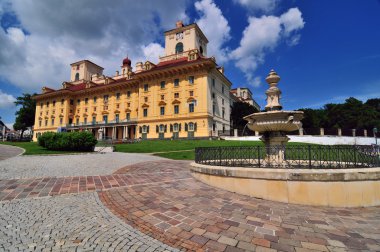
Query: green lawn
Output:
(180,149)
(32,148)
(176,145)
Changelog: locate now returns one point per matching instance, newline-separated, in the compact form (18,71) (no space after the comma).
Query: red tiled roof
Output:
(77,87)
(170,62)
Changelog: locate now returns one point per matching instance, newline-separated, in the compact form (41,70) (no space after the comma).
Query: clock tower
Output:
(183,39)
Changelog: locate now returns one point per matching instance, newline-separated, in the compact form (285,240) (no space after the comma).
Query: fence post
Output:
(365,133)
(309,148)
(258,153)
(235,132)
(220,156)
(353,132)
(355,149)
(322,131)
(300,131)
(339,132)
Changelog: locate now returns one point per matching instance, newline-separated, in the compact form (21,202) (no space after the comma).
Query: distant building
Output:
(3,129)
(244,95)
(185,95)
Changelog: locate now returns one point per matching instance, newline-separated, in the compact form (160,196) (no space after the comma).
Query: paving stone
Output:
(335,243)
(314,246)
(193,216)
(246,246)
(67,223)
(228,241)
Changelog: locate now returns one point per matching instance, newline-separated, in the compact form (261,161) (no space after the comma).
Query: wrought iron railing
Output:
(302,156)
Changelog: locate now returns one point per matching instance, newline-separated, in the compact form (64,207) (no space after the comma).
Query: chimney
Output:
(179,24)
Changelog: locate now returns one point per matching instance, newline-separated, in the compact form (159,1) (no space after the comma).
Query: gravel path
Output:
(7,151)
(68,165)
(68,223)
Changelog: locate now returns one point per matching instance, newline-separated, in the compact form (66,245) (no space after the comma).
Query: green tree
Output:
(26,113)
(238,111)
(352,114)
(313,118)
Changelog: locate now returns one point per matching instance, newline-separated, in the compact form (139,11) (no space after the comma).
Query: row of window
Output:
(53,103)
(105,118)
(163,83)
(176,127)
(176,109)
(105,97)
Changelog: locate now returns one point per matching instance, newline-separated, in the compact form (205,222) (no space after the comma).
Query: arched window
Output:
(179,48)
(76,76)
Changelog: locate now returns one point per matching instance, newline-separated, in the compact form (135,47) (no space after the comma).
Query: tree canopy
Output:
(352,114)
(238,111)
(26,113)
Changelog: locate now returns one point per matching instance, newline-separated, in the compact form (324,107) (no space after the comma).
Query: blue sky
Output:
(324,51)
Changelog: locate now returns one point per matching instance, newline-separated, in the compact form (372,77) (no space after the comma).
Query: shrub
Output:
(68,141)
(45,137)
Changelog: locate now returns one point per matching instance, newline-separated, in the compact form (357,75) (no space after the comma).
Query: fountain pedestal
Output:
(275,143)
(274,123)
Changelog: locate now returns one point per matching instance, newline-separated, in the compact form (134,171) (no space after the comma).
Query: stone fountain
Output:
(274,122)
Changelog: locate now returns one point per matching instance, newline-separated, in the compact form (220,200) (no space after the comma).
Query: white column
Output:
(126,132)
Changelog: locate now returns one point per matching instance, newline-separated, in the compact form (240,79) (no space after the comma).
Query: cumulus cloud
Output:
(6,100)
(261,36)
(62,32)
(259,5)
(153,51)
(216,28)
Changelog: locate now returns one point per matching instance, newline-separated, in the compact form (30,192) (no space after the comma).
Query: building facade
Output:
(185,95)
(244,95)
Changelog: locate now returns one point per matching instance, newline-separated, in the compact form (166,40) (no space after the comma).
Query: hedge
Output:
(68,141)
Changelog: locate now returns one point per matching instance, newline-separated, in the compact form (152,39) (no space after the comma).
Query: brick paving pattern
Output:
(68,223)
(50,186)
(164,202)
(190,215)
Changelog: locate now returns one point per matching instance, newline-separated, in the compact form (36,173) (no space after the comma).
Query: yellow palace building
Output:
(185,95)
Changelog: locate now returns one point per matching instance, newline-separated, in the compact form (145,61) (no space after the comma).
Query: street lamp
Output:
(375,133)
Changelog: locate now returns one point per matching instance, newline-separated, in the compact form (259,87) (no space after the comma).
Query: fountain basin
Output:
(271,121)
(356,187)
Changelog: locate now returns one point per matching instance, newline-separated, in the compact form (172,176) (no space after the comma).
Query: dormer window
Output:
(179,47)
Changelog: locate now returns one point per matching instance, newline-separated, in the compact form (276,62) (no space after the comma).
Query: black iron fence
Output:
(302,156)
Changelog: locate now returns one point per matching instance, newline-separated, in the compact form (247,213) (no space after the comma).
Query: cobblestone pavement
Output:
(188,214)
(37,166)
(7,151)
(68,223)
(163,201)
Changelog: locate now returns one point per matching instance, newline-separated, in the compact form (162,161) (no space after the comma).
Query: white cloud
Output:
(292,21)
(6,100)
(9,125)
(261,36)
(258,5)
(216,28)
(62,32)
(152,52)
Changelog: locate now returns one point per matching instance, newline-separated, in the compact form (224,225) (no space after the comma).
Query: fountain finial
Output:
(273,93)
